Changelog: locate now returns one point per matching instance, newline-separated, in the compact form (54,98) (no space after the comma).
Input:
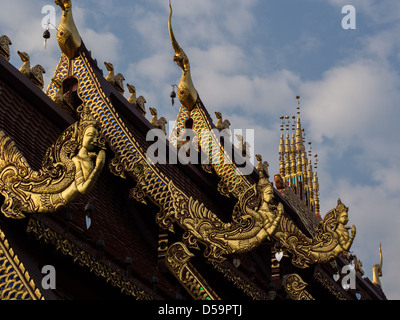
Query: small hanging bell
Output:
(173,95)
(46,36)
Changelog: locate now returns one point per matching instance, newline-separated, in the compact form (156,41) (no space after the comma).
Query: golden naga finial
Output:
(117,80)
(159,123)
(139,102)
(34,74)
(5,43)
(187,93)
(68,36)
(221,124)
(262,167)
(377,269)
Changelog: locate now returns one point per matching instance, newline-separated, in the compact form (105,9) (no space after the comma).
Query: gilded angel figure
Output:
(71,167)
(330,240)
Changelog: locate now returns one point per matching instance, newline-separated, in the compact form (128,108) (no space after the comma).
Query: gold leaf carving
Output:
(331,238)
(70,167)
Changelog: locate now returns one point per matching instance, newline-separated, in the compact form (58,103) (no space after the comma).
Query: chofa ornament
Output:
(70,168)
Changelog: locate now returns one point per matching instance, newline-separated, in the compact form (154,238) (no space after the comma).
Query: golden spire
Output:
(299,132)
(282,150)
(68,36)
(316,187)
(293,152)
(288,150)
(295,166)
(187,93)
(310,178)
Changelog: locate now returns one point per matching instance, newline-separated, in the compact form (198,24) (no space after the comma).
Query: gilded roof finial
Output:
(377,269)
(222,124)
(139,102)
(116,80)
(68,36)
(5,43)
(187,93)
(159,123)
(34,74)
(262,167)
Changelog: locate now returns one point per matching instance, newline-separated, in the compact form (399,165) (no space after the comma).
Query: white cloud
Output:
(351,101)
(211,22)
(104,46)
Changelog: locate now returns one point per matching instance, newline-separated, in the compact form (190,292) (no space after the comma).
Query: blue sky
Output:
(250,59)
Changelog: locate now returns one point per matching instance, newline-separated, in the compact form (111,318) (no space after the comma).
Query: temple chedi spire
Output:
(296,169)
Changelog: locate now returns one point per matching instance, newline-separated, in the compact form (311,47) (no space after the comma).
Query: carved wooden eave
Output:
(85,256)
(296,288)
(178,262)
(332,287)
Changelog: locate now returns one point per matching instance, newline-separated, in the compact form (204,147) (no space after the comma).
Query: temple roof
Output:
(192,219)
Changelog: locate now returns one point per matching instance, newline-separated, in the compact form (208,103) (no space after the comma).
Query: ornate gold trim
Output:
(15,281)
(47,235)
(296,287)
(221,161)
(177,261)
